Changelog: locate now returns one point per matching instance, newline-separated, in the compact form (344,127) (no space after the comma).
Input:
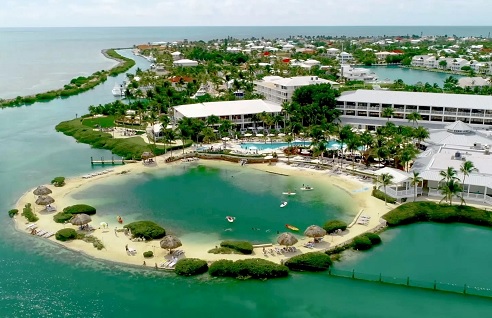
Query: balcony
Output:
(402,193)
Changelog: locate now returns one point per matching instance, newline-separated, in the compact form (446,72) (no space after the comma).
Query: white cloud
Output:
(242,12)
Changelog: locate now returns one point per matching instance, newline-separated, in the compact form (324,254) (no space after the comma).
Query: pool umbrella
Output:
(170,242)
(281,135)
(259,135)
(42,190)
(44,200)
(80,219)
(314,231)
(226,138)
(248,135)
(286,239)
(271,135)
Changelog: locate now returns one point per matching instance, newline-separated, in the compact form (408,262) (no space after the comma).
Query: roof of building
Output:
(459,133)
(398,175)
(459,127)
(473,81)
(239,107)
(418,98)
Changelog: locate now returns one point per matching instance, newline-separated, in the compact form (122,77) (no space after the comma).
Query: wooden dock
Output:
(107,162)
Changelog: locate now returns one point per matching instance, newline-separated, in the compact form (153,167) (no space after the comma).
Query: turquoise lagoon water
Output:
(277,145)
(195,199)
(38,279)
(409,76)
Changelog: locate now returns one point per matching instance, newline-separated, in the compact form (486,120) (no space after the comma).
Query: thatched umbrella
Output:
(286,239)
(42,190)
(44,200)
(80,219)
(147,154)
(314,231)
(170,242)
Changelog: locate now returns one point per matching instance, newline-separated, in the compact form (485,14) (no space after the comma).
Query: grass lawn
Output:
(104,122)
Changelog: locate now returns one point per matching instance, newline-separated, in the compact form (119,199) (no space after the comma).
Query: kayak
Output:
(283,204)
(289,193)
(307,188)
(291,227)
(230,218)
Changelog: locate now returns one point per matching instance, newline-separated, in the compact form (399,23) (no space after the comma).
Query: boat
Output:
(119,219)
(118,90)
(230,218)
(291,227)
(283,204)
(289,193)
(307,188)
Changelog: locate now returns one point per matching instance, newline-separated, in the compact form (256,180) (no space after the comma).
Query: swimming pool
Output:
(277,145)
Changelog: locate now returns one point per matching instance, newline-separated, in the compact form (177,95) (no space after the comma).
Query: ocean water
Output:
(38,279)
(34,60)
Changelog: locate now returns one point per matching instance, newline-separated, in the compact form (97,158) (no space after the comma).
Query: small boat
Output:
(289,193)
(291,227)
(119,219)
(230,218)
(283,204)
(307,188)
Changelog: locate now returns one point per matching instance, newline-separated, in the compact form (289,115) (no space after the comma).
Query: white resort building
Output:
(185,63)
(239,112)
(451,147)
(280,89)
(365,107)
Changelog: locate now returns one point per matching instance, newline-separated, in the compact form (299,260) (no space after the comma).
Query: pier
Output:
(107,162)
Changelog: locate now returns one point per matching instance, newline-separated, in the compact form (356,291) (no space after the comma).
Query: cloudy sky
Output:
(32,13)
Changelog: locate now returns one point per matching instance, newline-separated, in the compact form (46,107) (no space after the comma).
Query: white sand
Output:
(115,243)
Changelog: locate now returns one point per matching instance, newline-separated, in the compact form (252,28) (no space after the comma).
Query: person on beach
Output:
(116,230)
(126,247)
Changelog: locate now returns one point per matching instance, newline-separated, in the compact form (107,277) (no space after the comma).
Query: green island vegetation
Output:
(241,247)
(190,267)
(28,213)
(97,243)
(147,229)
(76,85)
(312,262)
(13,213)
(334,225)
(365,241)
(382,196)
(68,212)
(66,235)
(58,181)
(412,212)
(256,268)
(148,254)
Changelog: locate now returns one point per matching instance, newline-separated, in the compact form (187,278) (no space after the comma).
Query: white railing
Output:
(466,196)
(402,193)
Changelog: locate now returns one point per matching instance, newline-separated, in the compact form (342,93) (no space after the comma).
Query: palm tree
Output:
(448,174)
(288,139)
(420,133)
(414,117)
(353,144)
(466,168)
(212,120)
(385,179)
(169,136)
(449,189)
(388,112)
(208,134)
(344,133)
(415,180)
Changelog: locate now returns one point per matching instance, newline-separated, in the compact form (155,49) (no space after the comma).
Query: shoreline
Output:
(115,242)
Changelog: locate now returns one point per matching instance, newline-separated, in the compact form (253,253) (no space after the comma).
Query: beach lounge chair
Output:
(49,234)
(30,226)
(172,263)
(132,251)
(41,233)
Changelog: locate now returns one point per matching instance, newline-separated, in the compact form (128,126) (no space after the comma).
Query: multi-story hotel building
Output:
(365,107)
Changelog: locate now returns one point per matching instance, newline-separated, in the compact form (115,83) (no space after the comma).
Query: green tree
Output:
(344,133)
(385,179)
(466,168)
(451,188)
(420,133)
(415,180)
(388,112)
(414,117)
(448,174)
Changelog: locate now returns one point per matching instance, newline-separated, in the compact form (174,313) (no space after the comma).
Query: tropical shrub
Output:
(243,247)
(223,250)
(66,235)
(332,226)
(58,181)
(373,237)
(146,229)
(92,239)
(80,208)
(250,268)
(380,195)
(361,243)
(13,212)
(28,213)
(190,267)
(412,212)
(62,217)
(148,254)
(312,262)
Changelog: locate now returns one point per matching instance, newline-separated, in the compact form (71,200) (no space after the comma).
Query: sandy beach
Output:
(115,242)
